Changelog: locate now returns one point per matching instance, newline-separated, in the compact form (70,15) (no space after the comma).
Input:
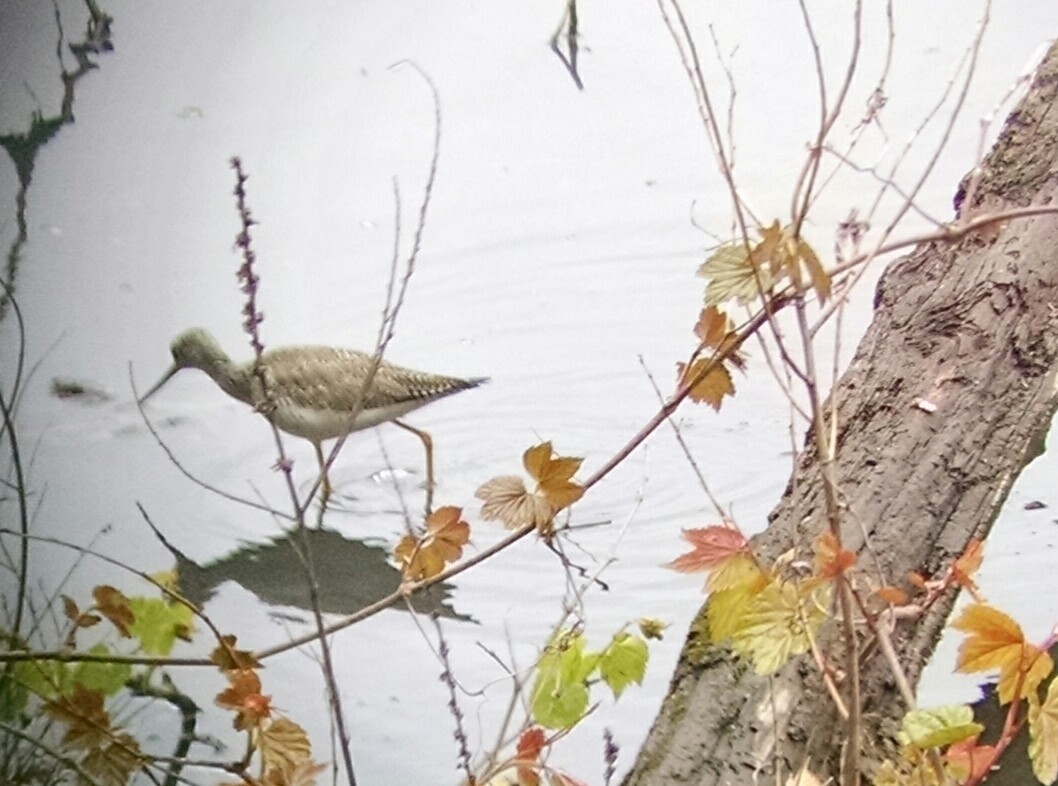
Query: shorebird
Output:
(312,390)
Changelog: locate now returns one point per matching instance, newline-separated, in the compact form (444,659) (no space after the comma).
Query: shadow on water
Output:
(352,574)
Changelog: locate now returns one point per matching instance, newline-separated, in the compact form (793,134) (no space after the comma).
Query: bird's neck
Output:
(233,379)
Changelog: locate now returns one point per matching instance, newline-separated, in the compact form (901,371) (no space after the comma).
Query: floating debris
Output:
(72,388)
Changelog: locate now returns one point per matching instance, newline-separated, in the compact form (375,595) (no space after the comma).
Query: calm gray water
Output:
(559,250)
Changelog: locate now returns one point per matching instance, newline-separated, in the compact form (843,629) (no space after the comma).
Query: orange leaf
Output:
(443,543)
(967,564)
(712,547)
(917,580)
(243,695)
(552,475)
(968,760)
(993,641)
(709,381)
(113,605)
(713,326)
(830,559)
(228,658)
(893,595)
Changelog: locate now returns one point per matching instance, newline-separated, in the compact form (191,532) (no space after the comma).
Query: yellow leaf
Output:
(1043,736)
(995,641)
(779,623)
(708,379)
(283,744)
(731,275)
(820,277)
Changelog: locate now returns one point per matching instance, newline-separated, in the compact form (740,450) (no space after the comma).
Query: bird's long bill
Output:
(159,383)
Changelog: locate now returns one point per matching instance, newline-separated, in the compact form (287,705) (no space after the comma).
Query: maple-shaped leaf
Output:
(715,330)
(940,726)
(1043,736)
(107,678)
(506,498)
(113,764)
(283,744)
(228,658)
(48,679)
(733,275)
(711,547)
(966,565)
(553,475)
(87,721)
(995,641)
(527,755)
(779,623)
(243,695)
(623,662)
(301,774)
(446,534)
(113,605)
(559,697)
(830,559)
(709,381)
(158,624)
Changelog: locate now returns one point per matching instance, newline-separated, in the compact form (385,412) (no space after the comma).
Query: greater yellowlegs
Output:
(312,390)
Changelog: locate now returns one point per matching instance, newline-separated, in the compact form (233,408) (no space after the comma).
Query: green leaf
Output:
(48,679)
(940,726)
(559,697)
(624,662)
(13,695)
(107,678)
(158,624)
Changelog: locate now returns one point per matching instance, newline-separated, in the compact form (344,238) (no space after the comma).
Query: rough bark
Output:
(970,326)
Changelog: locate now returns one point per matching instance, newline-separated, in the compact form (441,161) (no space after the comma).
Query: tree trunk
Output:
(970,326)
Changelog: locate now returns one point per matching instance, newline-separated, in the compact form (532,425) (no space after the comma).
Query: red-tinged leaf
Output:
(243,695)
(969,761)
(527,754)
(113,605)
(830,559)
(712,547)
(709,381)
(893,596)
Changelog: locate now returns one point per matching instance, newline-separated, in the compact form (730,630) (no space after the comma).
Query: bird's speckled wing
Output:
(327,377)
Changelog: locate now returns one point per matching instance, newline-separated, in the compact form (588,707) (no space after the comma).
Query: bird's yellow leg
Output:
(427,443)
(325,482)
